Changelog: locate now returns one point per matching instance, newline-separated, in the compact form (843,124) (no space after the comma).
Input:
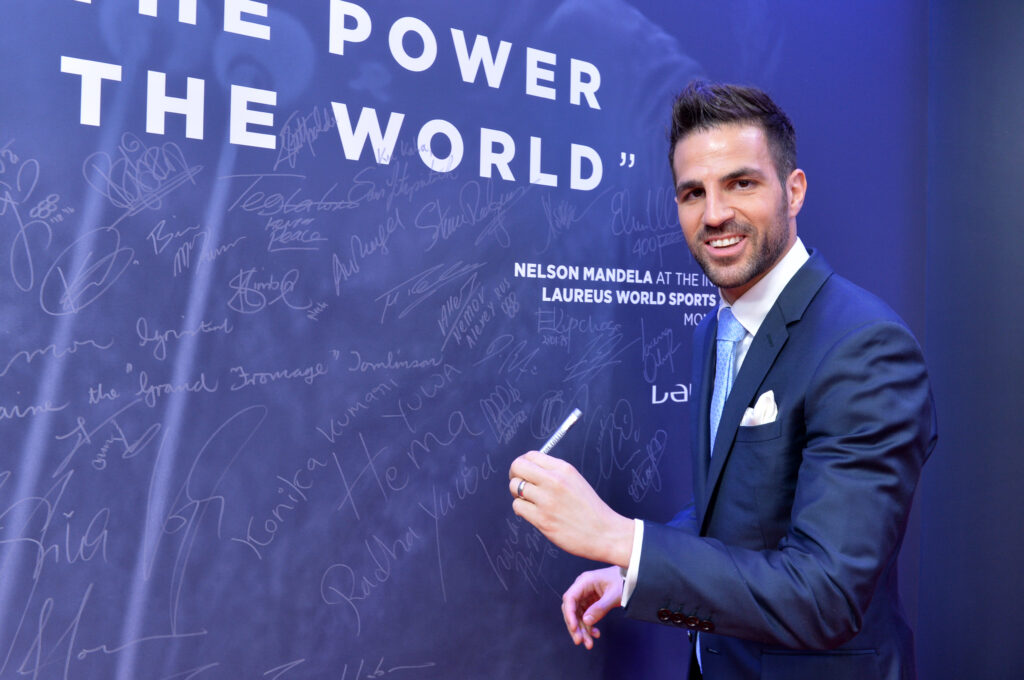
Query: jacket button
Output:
(678,618)
(707,626)
(692,622)
(664,615)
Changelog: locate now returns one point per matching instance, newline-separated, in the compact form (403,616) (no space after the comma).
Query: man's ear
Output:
(796,190)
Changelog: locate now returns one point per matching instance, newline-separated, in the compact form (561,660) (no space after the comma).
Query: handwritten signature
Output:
(252,296)
(655,229)
(342,584)
(299,132)
(13,195)
(382,669)
(53,351)
(138,177)
(84,271)
(417,289)
(657,351)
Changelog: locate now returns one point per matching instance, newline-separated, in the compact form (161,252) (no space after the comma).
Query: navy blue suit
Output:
(787,557)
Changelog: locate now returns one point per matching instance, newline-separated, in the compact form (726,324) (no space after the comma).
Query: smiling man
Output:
(812,417)
(738,214)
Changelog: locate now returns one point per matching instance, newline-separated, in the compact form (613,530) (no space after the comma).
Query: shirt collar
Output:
(751,308)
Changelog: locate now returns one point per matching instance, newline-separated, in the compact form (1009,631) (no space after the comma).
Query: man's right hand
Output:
(588,599)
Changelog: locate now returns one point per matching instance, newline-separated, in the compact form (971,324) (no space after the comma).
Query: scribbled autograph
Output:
(84,271)
(138,177)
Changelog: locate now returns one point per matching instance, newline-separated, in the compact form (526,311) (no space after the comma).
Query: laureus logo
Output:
(679,394)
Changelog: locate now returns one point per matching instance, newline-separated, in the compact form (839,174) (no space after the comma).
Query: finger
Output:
(543,460)
(517,487)
(525,509)
(582,631)
(595,612)
(572,609)
(570,615)
(512,469)
(588,640)
(524,468)
(595,634)
(591,632)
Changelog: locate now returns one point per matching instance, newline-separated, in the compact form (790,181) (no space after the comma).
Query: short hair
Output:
(703,105)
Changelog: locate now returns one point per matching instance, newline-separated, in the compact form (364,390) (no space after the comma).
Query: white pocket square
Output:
(763,412)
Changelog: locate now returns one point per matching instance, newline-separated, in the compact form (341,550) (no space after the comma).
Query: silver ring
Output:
(519,489)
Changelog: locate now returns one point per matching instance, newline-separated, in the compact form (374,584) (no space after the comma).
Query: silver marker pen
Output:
(560,432)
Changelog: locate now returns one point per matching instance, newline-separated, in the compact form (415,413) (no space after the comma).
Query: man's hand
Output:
(588,599)
(557,500)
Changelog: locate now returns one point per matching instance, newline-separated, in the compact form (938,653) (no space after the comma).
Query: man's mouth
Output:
(725,242)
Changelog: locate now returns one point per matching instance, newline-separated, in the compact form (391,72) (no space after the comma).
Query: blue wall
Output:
(195,378)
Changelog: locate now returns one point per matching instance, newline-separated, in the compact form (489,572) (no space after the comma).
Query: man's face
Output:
(736,216)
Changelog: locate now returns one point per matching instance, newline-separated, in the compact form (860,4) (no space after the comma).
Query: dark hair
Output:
(703,105)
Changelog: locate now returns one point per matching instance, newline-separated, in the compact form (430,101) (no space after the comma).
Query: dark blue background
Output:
(119,562)
(972,550)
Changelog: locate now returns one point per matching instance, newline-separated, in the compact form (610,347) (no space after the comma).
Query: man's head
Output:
(738,191)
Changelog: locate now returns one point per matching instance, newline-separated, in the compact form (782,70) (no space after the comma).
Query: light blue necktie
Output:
(729,333)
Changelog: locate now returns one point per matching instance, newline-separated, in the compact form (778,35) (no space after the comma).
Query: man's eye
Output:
(692,194)
(744,183)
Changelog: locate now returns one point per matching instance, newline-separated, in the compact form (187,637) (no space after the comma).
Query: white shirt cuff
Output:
(632,572)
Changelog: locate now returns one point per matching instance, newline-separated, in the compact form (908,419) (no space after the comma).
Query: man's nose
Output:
(717,210)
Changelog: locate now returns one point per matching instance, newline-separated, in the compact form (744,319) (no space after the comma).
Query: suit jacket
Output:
(786,559)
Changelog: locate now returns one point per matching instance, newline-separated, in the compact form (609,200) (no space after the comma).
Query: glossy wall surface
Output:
(284,292)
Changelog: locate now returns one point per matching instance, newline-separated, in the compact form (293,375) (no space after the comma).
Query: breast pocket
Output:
(759,433)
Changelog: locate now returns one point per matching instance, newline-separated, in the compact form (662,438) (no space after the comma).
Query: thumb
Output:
(595,612)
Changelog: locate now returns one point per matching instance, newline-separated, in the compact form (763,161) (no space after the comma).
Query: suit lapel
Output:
(765,347)
(703,377)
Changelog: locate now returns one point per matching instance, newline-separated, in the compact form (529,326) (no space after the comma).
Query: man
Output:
(784,565)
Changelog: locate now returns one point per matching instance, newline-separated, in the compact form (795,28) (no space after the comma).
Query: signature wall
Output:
(287,286)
